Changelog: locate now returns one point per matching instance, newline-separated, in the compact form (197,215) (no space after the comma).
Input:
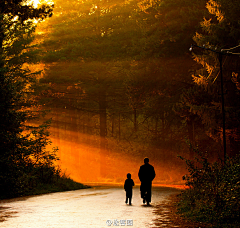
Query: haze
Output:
(120,85)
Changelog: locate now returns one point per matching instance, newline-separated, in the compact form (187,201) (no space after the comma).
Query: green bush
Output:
(213,191)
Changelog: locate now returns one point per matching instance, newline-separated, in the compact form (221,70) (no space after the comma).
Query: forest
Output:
(120,79)
(117,78)
(26,165)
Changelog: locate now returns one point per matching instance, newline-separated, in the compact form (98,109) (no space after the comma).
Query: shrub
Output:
(213,193)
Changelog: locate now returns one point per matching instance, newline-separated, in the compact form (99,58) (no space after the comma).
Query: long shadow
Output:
(145,205)
(5,213)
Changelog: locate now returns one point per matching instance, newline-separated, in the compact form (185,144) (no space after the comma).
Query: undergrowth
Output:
(213,191)
(59,183)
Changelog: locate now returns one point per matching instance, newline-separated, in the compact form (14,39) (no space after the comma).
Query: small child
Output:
(128,188)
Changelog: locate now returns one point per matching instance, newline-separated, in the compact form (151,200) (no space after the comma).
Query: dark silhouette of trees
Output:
(21,147)
(220,30)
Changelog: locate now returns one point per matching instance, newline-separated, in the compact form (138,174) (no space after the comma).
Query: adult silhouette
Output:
(146,175)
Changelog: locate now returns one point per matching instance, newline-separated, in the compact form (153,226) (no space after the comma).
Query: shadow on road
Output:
(145,205)
(5,213)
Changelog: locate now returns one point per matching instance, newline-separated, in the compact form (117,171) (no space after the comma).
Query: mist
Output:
(83,160)
(121,85)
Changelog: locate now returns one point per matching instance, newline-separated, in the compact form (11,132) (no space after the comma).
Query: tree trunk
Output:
(119,126)
(135,120)
(190,127)
(103,133)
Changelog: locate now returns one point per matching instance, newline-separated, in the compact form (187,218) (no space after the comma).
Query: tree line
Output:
(25,163)
(125,66)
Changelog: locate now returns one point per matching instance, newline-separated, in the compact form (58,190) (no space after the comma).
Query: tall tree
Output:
(91,30)
(15,30)
(86,50)
(169,25)
(220,30)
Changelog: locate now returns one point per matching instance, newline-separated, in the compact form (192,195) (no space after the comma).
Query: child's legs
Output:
(129,196)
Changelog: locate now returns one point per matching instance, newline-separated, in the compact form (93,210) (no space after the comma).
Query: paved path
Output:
(99,207)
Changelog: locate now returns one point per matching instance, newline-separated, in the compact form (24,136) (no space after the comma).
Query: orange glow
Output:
(86,163)
(178,186)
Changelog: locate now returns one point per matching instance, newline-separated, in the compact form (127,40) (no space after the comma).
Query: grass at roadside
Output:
(168,215)
(190,214)
(59,185)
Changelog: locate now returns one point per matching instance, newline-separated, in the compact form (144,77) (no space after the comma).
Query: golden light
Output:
(36,3)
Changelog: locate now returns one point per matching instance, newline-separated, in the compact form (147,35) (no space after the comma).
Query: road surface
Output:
(99,207)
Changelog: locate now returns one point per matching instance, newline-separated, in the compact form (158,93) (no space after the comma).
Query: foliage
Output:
(122,68)
(220,30)
(116,30)
(24,160)
(116,47)
(169,25)
(45,179)
(213,193)
(23,11)
(90,30)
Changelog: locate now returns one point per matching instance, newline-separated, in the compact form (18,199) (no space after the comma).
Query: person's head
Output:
(146,160)
(129,175)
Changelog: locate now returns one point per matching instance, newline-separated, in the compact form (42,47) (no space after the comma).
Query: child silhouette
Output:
(128,185)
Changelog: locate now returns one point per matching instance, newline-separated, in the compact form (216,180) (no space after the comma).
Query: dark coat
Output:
(146,173)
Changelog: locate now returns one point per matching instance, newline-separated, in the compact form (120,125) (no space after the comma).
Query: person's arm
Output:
(154,174)
(140,174)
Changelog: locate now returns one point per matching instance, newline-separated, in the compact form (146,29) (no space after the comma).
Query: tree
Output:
(220,30)
(169,25)
(19,10)
(124,59)
(92,30)
(15,85)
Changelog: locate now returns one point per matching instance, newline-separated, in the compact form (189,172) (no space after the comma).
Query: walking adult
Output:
(146,175)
